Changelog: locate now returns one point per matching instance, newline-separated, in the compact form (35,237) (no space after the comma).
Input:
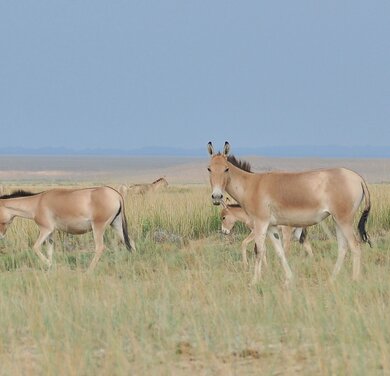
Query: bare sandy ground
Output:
(177,170)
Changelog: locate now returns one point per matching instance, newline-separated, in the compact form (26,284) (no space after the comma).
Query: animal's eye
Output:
(223,218)
(208,169)
(227,169)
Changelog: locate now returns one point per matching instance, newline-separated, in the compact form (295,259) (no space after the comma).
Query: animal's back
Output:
(310,187)
(79,202)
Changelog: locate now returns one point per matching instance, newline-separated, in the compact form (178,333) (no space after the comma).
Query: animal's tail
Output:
(303,235)
(124,227)
(363,219)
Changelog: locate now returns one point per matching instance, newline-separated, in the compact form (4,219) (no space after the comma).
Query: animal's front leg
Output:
(44,233)
(277,243)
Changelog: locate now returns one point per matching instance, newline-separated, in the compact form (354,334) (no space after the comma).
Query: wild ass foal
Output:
(75,211)
(297,199)
(231,213)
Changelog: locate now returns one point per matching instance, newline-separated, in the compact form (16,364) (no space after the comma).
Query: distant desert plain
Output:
(176,170)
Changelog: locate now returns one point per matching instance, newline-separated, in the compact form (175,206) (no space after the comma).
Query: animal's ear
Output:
(226,149)
(210,148)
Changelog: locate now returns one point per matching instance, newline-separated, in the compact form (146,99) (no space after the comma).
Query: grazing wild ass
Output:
(75,211)
(142,189)
(298,199)
(231,213)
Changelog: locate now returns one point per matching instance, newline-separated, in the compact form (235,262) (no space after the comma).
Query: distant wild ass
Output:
(75,211)
(142,189)
(298,199)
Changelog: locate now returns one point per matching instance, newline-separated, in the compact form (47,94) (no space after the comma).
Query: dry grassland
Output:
(182,303)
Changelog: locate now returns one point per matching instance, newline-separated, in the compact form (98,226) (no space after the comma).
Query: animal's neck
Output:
(22,206)
(236,186)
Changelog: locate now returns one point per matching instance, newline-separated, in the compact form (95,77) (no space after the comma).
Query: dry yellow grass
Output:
(182,304)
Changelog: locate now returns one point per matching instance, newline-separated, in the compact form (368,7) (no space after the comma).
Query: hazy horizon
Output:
(329,151)
(105,169)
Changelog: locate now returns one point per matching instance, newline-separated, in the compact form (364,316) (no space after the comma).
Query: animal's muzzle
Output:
(225,231)
(217,198)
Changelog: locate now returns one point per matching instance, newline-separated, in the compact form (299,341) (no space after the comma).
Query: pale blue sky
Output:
(130,74)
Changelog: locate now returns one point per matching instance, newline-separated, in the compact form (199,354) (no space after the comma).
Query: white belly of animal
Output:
(75,226)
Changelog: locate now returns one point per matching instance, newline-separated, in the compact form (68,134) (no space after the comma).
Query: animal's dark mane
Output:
(18,193)
(242,165)
(159,179)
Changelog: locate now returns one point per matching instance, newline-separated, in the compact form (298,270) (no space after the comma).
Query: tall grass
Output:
(379,220)
(187,307)
(180,210)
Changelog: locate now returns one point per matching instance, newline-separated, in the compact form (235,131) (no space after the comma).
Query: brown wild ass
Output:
(298,199)
(142,189)
(231,213)
(75,211)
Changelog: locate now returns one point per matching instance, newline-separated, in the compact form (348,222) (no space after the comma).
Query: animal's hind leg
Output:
(349,236)
(98,232)
(356,253)
(342,250)
(44,233)
(50,248)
